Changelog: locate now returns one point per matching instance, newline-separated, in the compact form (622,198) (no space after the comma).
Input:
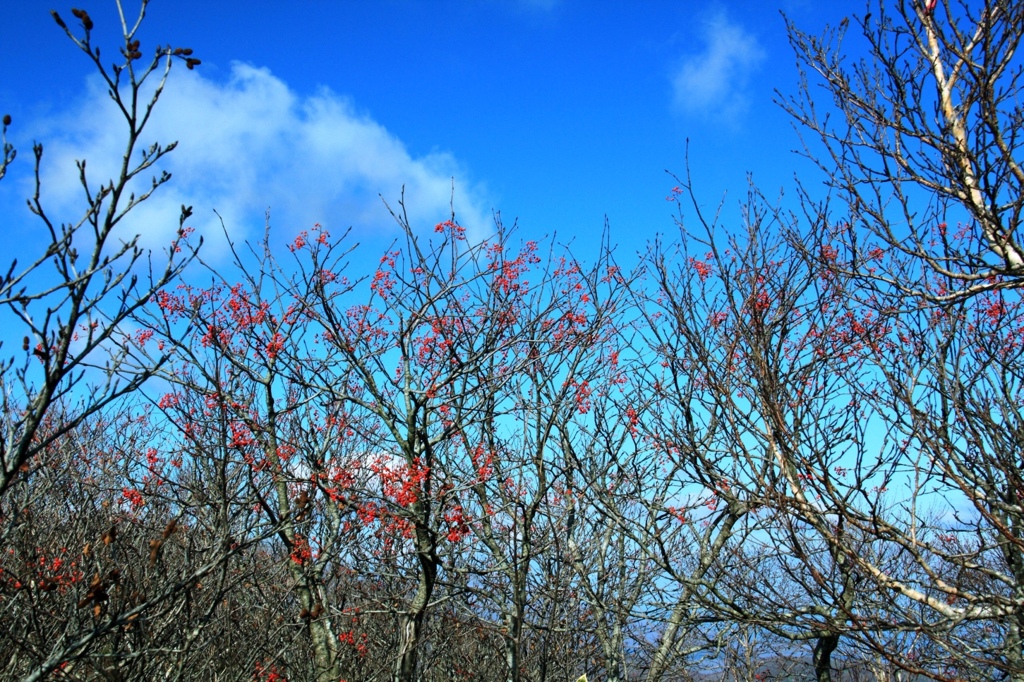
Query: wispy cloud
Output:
(714,80)
(249,144)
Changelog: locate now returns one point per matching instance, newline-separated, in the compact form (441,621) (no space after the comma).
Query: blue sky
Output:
(554,113)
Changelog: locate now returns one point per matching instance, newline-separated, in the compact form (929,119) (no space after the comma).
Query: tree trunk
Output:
(411,622)
(410,631)
(823,657)
(513,623)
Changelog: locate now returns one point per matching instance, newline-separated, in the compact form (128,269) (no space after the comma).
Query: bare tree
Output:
(73,353)
(525,476)
(924,159)
(925,145)
(447,360)
(762,439)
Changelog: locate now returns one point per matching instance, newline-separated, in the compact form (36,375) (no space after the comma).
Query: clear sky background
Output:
(555,113)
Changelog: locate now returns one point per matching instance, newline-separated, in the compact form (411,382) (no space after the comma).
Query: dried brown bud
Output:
(110,536)
(84,17)
(186,51)
(56,17)
(171,527)
(87,549)
(317,610)
(24,343)
(304,614)
(192,62)
(7,119)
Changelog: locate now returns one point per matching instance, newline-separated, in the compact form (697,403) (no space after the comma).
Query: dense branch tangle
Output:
(926,147)
(784,444)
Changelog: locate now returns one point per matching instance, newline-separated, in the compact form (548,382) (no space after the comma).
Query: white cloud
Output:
(713,81)
(249,144)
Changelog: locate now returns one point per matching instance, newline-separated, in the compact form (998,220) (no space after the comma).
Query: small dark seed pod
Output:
(84,17)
